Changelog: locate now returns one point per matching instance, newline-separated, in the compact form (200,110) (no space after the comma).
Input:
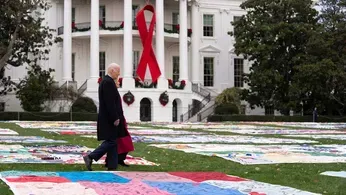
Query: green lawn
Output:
(300,176)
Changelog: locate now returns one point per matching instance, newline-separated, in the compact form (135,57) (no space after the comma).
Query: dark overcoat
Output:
(110,110)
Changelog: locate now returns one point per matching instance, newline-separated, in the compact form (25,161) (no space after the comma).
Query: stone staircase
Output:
(198,111)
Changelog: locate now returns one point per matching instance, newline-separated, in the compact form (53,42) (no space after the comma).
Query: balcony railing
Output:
(147,83)
(83,27)
(118,25)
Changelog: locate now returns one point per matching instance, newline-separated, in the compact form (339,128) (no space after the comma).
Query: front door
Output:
(145,110)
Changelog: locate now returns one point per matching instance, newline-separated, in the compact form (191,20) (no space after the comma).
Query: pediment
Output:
(210,49)
(231,50)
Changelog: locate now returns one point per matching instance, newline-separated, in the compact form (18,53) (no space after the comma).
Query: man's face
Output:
(115,73)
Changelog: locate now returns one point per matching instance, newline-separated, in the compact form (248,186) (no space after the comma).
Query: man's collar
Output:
(110,77)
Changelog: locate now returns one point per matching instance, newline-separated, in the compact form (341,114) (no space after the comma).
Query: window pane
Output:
(238,72)
(135,9)
(243,109)
(73,65)
(175,68)
(208,71)
(269,110)
(175,18)
(208,20)
(208,31)
(135,63)
(236,18)
(208,25)
(73,14)
(102,14)
(102,63)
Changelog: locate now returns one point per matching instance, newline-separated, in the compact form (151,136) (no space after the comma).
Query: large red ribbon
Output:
(148,55)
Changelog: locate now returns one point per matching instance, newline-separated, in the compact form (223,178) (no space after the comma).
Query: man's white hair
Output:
(112,66)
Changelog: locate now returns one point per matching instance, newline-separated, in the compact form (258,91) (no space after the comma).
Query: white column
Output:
(128,81)
(94,41)
(195,20)
(160,43)
(183,60)
(67,42)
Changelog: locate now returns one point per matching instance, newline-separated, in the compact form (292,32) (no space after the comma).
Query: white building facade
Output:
(190,43)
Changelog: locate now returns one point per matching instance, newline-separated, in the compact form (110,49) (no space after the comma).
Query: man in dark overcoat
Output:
(109,117)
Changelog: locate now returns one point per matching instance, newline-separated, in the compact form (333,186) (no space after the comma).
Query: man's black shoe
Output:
(88,162)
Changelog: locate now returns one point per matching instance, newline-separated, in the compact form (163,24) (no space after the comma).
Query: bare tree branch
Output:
(8,54)
(14,63)
(338,101)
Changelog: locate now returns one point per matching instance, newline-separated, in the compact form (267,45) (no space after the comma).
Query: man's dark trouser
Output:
(109,147)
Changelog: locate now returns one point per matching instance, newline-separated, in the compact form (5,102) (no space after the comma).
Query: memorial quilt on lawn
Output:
(335,173)
(279,131)
(266,154)
(337,137)
(215,126)
(72,131)
(216,139)
(64,154)
(131,131)
(56,124)
(140,183)
(62,125)
(309,125)
(7,132)
(163,132)
(28,139)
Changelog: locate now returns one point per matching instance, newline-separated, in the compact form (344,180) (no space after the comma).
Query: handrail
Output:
(83,87)
(206,112)
(192,111)
(200,90)
(67,84)
(63,85)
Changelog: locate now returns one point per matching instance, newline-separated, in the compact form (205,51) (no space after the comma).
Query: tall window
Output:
(73,68)
(269,110)
(175,18)
(103,14)
(102,64)
(236,18)
(2,106)
(208,25)
(135,9)
(175,68)
(135,62)
(73,14)
(243,109)
(175,111)
(175,21)
(208,71)
(238,72)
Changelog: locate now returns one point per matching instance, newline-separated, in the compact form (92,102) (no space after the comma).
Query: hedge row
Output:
(54,116)
(47,116)
(220,118)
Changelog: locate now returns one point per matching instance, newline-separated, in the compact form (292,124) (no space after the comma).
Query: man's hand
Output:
(116,123)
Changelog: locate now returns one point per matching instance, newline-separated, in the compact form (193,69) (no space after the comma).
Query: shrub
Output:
(229,96)
(227,109)
(35,88)
(84,105)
